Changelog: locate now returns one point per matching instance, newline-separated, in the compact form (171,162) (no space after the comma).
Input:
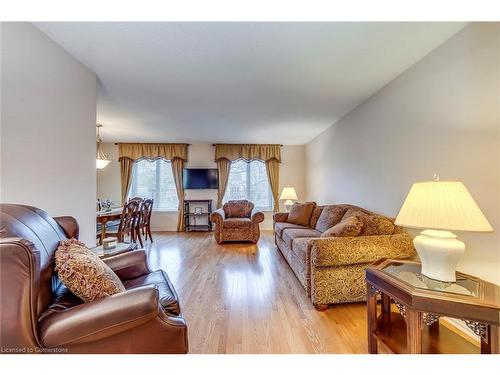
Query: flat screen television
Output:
(200,178)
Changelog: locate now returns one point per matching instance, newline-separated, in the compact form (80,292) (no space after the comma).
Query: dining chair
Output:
(137,199)
(144,222)
(128,222)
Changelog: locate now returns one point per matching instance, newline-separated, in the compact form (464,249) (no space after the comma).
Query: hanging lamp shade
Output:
(101,160)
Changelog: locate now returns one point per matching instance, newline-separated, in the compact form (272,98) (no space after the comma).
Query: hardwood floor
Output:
(244,298)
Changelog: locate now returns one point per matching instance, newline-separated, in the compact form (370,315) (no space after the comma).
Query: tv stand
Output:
(192,216)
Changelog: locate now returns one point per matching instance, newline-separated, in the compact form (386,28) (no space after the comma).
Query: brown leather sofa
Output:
(237,220)
(40,315)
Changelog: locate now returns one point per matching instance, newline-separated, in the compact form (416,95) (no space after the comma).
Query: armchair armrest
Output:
(218,216)
(129,265)
(338,251)
(280,217)
(102,318)
(257,216)
(69,226)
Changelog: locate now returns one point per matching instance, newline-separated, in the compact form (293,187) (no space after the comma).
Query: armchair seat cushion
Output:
(290,234)
(168,298)
(280,227)
(237,223)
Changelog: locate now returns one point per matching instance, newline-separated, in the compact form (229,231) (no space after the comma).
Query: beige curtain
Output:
(223,166)
(175,152)
(177,168)
(126,168)
(273,175)
(167,151)
(248,152)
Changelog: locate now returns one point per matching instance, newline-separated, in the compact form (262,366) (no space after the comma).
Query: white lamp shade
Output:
(288,193)
(442,205)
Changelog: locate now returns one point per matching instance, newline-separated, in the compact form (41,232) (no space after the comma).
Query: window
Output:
(248,180)
(154,179)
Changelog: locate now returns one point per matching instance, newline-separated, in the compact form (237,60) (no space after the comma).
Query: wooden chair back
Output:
(128,220)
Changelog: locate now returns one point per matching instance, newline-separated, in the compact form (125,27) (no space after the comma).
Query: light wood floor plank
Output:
(244,298)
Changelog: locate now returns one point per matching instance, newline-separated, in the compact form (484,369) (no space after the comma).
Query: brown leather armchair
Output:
(237,220)
(39,314)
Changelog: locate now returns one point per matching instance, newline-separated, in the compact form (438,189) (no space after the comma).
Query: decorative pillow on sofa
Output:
(330,216)
(301,213)
(373,225)
(315,216)
(349,227)
(87,276)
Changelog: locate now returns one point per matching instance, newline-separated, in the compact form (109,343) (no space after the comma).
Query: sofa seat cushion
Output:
(290,234)
(301,213)
(168,298)
(279,228)
(237,223)
(330,216)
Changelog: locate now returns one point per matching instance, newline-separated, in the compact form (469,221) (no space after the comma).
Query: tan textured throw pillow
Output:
(330,216)
(373,225)
(301,213)
(349,227)
(87,276)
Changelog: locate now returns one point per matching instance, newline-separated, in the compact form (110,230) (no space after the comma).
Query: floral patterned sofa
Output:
(237,220)
(330,250)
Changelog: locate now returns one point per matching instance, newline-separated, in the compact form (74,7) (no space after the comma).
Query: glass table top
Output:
(410,273)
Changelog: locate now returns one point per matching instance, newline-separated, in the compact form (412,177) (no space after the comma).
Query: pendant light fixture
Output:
(101,160)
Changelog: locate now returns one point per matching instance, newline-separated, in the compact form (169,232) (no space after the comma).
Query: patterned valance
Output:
(248,152)
(167,151)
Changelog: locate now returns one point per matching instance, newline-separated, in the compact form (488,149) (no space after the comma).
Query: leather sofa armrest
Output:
(339,251)
(280,217)
(98,319)
(69,226)
(257,216)
(129,265)
(218,216)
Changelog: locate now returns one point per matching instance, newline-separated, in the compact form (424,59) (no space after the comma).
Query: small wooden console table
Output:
(195,209)
(411,305)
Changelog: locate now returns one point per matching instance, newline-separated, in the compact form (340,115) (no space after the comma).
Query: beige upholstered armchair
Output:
(237,220)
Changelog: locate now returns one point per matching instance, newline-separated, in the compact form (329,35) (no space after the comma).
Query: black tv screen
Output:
(200,178)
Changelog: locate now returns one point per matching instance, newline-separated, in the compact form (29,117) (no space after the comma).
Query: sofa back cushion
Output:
(238,208)
(330,215)
(373,224)
(349,227)
(301,213)
(315,216)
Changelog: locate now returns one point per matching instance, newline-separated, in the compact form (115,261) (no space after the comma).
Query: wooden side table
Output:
(421,301)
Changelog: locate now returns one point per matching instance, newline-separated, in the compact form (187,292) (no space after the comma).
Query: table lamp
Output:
(290,195)
(440,207)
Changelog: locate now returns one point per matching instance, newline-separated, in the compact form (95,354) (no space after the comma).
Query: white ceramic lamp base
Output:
(288,205)
(439,252)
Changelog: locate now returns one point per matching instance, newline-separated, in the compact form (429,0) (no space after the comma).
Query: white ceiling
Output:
(239,82)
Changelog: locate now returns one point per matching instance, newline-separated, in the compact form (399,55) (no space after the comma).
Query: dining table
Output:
(105,216)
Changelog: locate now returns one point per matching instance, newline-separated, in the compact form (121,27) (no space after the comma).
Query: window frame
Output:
(248,184)
(156,197)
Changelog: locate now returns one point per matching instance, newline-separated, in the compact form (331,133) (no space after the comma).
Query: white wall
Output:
(201,155)
(442,115)
(48,102)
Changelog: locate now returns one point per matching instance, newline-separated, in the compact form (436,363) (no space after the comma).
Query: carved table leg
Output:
(413,331)
(386,303)
(492,344)
(371,309)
